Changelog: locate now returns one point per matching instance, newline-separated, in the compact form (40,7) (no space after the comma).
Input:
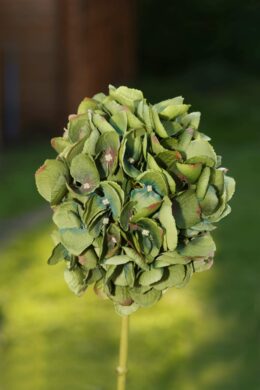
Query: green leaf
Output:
(168,223)
(201,246)
(186,209)
(75,280)
(58,254)
(149,277)
(84,171)
(51,179)
(75,240)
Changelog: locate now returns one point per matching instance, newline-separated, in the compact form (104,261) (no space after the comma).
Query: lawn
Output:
(203,337)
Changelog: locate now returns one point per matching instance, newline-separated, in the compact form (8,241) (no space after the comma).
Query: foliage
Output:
(136,190)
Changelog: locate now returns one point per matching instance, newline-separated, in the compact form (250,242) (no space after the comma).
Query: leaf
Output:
(51,179)
(149,277)
(58,254)
(75,280)
(75,240)
(84,171)
(186,209)
(168,223)
(201,246)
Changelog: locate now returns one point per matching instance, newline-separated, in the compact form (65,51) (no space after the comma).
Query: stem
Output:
(123,350)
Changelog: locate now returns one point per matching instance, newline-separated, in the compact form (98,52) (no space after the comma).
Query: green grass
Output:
(203,337)
(17,167)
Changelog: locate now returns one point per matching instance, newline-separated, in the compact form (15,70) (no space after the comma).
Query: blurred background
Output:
(53,53)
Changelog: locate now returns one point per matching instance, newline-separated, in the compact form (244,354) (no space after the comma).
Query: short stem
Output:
(122,365)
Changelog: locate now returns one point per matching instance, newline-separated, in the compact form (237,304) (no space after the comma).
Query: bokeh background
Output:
(53,53)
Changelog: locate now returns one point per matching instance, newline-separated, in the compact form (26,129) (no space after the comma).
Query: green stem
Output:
(123,350)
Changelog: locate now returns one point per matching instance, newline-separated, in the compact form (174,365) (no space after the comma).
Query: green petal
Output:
(168,223)
(190,172)
(149,277)
(58,254)
(114,198)
(158,126)
(78,127)
(210,201)
(75,240)
(145,299)
(126,214)
(135,257)
(101,123)
(126,96)
(154,181)
(174,110)
(174,275)
(201,151)
(191,120)
(165,103)
(202,265)
(75,280)
(84,171)
(203,183)
(88,259)
(51,179)
(116,260)
(201,246)
(119,122)
(107,151)
(87,104)
(66,215)
(186,209)
(170,258)
(230,186)
(126,310)
(59,144)
(146,202)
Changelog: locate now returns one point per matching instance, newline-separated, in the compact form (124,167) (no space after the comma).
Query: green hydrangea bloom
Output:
(135,190)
